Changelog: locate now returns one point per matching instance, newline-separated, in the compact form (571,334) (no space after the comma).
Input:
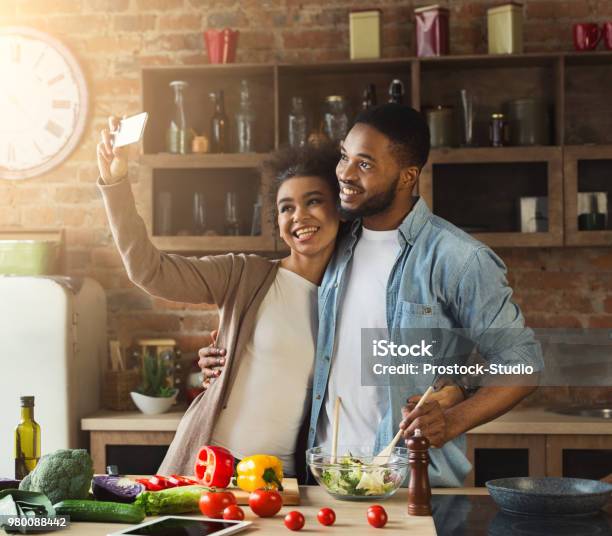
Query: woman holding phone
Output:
(268,308)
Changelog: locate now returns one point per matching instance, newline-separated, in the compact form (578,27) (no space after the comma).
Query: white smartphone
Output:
(130,130)
(184,526)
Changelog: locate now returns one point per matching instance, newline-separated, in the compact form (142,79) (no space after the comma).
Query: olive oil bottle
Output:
(27,439)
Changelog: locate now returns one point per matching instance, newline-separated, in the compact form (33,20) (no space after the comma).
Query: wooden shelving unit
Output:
(576,85)
(574,158)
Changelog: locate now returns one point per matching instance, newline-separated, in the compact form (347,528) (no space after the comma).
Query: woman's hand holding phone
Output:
(112,161)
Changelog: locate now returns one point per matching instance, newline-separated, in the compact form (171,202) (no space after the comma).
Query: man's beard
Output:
(374,205)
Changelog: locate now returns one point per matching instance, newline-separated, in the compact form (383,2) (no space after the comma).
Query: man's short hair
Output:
(405,127)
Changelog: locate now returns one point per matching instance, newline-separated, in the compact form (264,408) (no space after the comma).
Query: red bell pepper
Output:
(178,480)
(149,485)
(214,466)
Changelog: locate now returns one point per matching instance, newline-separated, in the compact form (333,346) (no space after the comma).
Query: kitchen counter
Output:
(350,516)
(524,421)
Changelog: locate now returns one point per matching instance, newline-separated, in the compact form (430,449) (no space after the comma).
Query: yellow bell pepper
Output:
(259,471)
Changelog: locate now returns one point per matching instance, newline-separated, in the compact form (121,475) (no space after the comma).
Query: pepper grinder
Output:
(419,490)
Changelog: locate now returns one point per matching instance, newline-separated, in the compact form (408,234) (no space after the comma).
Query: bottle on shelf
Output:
(396,92)
(298,128)
(27,440)
(245,121)
(232,225)
(219,135)
(369,97)
(178,135)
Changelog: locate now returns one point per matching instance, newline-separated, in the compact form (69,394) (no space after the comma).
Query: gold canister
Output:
(364,29)
(199,144)
(505,29)
(441,126)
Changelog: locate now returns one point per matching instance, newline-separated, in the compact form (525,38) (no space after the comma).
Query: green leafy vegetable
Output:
(356,478)
(14,502)
(181,500)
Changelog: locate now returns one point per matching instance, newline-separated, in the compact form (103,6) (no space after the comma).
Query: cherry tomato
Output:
(233,511)
(326,516)
(212,503)
(294,520)
(377,517)
(265,502)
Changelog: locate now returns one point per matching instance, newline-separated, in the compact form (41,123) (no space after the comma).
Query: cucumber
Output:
(99,511)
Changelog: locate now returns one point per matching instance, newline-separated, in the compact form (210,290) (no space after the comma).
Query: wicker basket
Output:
(117,387)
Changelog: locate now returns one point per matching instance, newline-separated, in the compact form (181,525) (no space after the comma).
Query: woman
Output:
(267,308)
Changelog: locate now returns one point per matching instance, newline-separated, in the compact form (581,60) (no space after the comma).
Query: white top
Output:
(363,305)
(269,397)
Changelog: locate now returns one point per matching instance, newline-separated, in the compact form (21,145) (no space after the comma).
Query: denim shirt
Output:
(442,278)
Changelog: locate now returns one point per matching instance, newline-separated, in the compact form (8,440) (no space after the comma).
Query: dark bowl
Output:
(549,496)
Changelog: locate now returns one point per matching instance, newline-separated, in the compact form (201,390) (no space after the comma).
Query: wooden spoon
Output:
(383,456)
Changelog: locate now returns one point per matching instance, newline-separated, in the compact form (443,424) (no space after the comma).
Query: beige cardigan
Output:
(237,284)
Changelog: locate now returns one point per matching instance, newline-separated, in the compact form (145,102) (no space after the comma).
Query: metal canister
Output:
(441,126)
(498,130)
(529,122)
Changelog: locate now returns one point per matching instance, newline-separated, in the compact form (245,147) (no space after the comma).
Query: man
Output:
(399,268)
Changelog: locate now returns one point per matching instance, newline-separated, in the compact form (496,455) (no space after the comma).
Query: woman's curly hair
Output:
(309,161)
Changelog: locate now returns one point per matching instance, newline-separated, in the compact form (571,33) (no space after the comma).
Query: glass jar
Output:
(336,119)
(498,130)
(298,131)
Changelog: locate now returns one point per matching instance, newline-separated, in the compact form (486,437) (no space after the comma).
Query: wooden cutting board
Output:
(290,493)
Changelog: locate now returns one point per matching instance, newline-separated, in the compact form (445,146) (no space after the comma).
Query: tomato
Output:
(326,516)
(377,517)
(233,511)
(212,503)
(294,520)
(265,502)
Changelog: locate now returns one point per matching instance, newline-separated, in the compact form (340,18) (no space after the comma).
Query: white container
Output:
(364,34)
(54,344)
(533,214)
(505,29)
(153,405)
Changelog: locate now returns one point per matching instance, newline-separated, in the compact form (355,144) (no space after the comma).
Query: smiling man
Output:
(401,267)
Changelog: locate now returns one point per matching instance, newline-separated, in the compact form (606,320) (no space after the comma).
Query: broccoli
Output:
(63,474)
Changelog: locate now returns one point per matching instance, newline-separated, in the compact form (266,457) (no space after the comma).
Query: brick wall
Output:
(113,38)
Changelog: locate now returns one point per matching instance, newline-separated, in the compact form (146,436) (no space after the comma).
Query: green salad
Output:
(356,478)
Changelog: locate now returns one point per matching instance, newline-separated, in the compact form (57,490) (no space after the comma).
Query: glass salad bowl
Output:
(353,476)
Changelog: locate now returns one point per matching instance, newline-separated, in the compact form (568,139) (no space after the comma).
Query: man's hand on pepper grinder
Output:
(429,418)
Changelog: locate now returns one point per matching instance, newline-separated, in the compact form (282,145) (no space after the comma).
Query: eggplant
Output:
(115,488)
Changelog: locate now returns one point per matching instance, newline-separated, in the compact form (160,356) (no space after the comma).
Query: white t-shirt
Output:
(269,396)
(363,305)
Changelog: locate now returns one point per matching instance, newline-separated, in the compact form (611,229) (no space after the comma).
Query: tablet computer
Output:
(184,526)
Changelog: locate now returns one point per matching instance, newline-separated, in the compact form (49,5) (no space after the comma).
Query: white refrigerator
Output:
(53,346)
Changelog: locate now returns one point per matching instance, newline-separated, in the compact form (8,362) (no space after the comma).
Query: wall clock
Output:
(43,102)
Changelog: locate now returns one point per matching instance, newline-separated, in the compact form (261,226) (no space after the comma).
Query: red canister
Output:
(221,45)
(431,30)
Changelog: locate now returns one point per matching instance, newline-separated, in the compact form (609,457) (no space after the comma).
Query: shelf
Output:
(190,161)
(573,83)
(213,244)
(465,155)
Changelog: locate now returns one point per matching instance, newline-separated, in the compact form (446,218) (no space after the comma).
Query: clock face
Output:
(43,103)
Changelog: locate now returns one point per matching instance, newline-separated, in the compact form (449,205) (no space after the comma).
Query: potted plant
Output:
(154,396)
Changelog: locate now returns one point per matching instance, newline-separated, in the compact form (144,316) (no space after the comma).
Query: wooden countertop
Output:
(350,516)
(527,421)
